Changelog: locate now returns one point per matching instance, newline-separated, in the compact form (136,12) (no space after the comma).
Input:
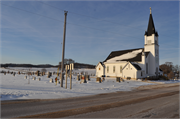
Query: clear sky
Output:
(32,31)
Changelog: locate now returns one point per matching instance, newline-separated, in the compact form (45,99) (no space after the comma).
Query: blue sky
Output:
(94,29)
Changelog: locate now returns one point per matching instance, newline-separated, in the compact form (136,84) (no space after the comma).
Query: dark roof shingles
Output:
(151,28)
(137,66)
(119,53)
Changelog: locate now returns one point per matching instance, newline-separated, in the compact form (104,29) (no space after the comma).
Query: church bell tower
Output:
(151,45)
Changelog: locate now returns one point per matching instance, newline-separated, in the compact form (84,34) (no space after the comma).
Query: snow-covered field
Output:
(16,87)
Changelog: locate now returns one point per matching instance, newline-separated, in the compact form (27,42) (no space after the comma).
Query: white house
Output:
(134,63)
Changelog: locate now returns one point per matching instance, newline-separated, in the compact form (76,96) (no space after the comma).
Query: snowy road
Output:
(88,106)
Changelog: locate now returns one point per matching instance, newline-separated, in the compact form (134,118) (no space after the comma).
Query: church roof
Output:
(125,55)
(151,28)
(136,66)
(100,63)
(146,54)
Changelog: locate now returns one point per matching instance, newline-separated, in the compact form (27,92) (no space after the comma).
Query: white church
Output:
(134,63)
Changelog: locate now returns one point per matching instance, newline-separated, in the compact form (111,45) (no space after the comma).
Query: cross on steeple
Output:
(150,10)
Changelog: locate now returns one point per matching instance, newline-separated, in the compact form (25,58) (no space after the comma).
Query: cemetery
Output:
(20,83)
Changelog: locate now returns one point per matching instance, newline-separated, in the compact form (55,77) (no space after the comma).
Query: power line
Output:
(67,22)
(88,16)
(31,12)
(93,17)
(102,30)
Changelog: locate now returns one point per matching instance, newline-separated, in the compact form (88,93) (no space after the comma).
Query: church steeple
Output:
(151,28)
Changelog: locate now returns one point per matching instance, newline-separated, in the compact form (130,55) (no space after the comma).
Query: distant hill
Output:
(77,65)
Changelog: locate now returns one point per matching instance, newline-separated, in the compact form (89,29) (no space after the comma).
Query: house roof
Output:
(114,54)
(151,28)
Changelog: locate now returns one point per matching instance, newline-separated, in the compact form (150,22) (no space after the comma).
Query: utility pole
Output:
(63,49)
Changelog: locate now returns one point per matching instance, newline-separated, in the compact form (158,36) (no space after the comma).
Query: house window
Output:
(120,69)
(113,69)
(107,69)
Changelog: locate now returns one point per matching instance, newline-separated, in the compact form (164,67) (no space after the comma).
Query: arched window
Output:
(120,69)
(113,69)
(107,69)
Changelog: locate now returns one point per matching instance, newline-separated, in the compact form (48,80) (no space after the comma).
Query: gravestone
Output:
(37,73)
(34,78)
(118,79)
(98,79)
(78,78)
(51,80)
(83,79)
(88,77)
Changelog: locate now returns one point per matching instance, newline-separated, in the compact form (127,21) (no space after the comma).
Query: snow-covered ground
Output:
(16,87)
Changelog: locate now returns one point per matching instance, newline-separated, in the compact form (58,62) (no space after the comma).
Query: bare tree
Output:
(176,68)
(171,75)
(166,68)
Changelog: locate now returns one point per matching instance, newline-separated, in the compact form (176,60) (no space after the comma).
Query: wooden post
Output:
(66,76)
(70,76)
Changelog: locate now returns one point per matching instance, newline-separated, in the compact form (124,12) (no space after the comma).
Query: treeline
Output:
(27,65)
(170,70)
(76,65)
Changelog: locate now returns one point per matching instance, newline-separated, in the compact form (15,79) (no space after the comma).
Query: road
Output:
(158,101)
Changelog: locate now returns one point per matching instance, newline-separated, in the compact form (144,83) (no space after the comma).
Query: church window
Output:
(146,68)
(113,69)
(156,71)
(107,69)
(120,69)
(156,60)
(129,66)
(149,41)
(99,68)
